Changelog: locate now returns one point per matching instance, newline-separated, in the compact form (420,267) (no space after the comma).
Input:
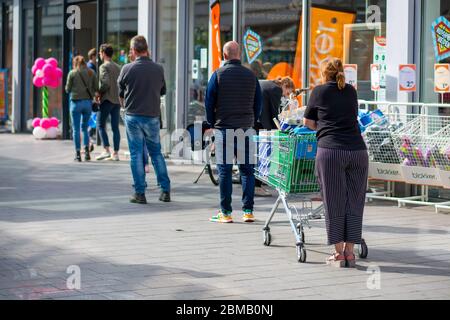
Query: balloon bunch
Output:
(45,128)
(46,74)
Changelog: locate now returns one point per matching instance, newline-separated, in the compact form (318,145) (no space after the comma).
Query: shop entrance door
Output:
(84,39)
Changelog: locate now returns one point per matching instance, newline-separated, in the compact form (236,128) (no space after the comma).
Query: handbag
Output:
(95,105)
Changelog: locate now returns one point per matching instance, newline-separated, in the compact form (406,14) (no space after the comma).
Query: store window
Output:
(121,27)
(166,56)
(50,29)
(272,38)
(271,35)
(28,56)
(434,10)
(8,50)
(199,54)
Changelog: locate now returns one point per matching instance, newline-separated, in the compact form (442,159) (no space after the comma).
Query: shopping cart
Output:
(286,162)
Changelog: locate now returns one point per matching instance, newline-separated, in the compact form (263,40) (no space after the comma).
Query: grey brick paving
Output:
(55,214)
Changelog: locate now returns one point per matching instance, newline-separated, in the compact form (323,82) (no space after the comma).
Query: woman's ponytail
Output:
(340,79)
(333,70)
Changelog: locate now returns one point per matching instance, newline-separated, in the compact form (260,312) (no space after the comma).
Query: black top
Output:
(142,84)
(336,114)
(271,104)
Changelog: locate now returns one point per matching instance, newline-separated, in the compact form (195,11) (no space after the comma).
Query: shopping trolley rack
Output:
(286,162)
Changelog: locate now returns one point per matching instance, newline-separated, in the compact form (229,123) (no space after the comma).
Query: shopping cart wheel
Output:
(267,238)
(363,250)
(301,254)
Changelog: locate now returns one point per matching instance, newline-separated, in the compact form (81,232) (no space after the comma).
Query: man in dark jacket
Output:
(141,85)
(233,105)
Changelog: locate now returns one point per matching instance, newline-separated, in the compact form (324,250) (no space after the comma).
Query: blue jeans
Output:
(246,168)
(107,108)
(80,112)
(146,130)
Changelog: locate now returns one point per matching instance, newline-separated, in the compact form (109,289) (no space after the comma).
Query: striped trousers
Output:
(342,176)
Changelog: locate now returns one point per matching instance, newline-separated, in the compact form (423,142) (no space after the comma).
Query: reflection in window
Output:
(338,28)
(167,26)
(50,45)
(121,26)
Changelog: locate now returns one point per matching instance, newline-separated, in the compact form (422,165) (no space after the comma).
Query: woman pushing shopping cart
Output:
(335,152)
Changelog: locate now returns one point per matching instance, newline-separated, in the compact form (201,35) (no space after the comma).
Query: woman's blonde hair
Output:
(333,70)
(285,82)
(79,62)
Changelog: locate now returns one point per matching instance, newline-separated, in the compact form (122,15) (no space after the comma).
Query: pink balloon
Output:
(39,63)
(58,73)
(45,123)
(38,82)
(47,81)
(34,70)
(39,73)
(54,83)
(53,62)
(54,122)
(48,71)
(36,122)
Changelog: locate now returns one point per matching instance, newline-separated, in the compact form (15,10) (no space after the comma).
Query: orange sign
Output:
(442,78)
(327,40)
(216,44)
(407,78)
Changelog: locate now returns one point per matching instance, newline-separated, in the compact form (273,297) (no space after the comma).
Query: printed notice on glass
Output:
(442,78)
(203,58)
(375,76)
(407,78)
(351,74)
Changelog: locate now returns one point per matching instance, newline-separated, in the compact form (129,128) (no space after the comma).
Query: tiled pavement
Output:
(55,214)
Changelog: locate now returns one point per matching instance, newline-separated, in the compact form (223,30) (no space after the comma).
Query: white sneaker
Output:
(114,157)
(105,155)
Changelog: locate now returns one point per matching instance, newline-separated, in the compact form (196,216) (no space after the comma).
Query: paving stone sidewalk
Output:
(55,214)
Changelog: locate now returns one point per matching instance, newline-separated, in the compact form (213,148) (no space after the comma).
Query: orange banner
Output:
(216,44)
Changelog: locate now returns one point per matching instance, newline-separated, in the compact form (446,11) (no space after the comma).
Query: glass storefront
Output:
(338,28)
(49,44)
(199,53)
(28,54)
(166,55)
(121,26)
(8,49)
(433,10)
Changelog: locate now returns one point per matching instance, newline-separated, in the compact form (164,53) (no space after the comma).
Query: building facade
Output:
(281,37)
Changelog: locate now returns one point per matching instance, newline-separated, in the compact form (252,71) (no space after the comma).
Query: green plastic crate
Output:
(287,173)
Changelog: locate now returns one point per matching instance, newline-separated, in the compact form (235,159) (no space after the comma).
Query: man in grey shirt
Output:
(141,85)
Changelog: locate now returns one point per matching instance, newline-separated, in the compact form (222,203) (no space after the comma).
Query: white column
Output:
(147,23)
(400,44)
(16,68)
